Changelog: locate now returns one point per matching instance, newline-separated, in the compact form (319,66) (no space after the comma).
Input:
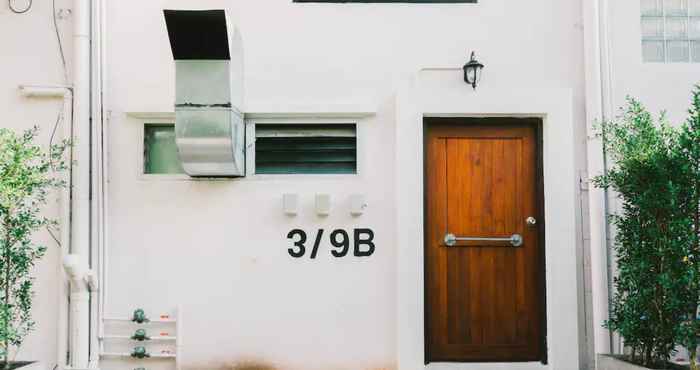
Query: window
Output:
(670,31)
(387,1)
(305,148)
(159,150)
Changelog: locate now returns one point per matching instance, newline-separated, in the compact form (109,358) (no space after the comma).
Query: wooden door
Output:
(484,298)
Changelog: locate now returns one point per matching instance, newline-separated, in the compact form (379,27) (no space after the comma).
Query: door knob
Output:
(531,221)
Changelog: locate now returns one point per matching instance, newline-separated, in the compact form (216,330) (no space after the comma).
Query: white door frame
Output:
(444,94)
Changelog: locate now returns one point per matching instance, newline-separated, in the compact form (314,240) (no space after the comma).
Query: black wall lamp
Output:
(472,71)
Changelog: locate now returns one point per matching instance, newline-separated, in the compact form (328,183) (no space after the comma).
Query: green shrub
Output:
(689,175)
(654,285)
(27,174)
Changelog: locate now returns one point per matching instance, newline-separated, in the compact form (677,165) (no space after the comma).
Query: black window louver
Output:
(305,149)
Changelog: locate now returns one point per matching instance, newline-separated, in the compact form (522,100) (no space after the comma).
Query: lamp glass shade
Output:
(471,74)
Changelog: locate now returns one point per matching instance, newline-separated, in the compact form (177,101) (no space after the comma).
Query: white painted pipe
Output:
(598,109)
(77,269)
(80,210)
(105,233)
(81,133)
(608,114)
(98,181)
(178,338)
(30,91)
(104,93)
(63,286)
(34,91)
(596,197)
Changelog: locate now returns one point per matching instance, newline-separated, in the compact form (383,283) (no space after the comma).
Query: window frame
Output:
(251,138)
(146,127)
(141,158)
(359,119)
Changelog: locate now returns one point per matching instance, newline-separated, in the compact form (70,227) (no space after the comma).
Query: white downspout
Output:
(608,114)
(98,163)
(64,92)
(83,281)
(598,110)
(64,286)
(77,263)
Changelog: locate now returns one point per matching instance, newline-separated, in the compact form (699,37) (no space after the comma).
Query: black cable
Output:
(16,11)
(60,44)
(59,118)
(53,236)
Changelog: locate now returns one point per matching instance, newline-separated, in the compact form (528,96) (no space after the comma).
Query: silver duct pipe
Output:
(209,124)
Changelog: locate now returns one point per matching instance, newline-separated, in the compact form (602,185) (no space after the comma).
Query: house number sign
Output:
(362,243)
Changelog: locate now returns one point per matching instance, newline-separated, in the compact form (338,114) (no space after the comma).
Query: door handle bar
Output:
(515,240)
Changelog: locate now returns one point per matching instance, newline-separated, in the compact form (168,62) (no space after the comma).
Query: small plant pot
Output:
(609,362)
(24,365)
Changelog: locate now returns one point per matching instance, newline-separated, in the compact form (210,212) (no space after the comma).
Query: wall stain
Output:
(252,366)
(264,365)
(237,365)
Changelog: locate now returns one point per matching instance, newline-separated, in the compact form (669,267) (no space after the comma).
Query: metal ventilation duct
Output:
(209,124)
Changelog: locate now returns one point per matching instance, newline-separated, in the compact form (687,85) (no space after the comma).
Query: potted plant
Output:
(656,176)
(27,175)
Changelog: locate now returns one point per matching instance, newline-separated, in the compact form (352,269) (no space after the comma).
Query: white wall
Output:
(219,248)
(660,86)
(29,55)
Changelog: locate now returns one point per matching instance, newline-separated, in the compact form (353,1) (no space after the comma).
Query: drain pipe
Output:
(598,110)
(98,181)
(77,263)
(608,114)
(82,282)
(65,119)
(63,285)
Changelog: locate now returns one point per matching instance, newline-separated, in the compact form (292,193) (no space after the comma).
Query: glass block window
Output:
(670,31)
(159,150)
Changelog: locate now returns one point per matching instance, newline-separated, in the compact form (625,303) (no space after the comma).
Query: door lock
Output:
(531,221)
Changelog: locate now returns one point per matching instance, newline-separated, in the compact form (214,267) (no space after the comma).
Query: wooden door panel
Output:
(481,196)
(482,297)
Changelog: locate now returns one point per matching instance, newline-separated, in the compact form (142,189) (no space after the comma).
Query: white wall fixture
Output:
(323,204)
(290,204)
(358,203)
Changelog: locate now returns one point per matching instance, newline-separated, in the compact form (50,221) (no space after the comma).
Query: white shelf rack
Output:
(172,343)
(163,338)
(153,321)
(150,355)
